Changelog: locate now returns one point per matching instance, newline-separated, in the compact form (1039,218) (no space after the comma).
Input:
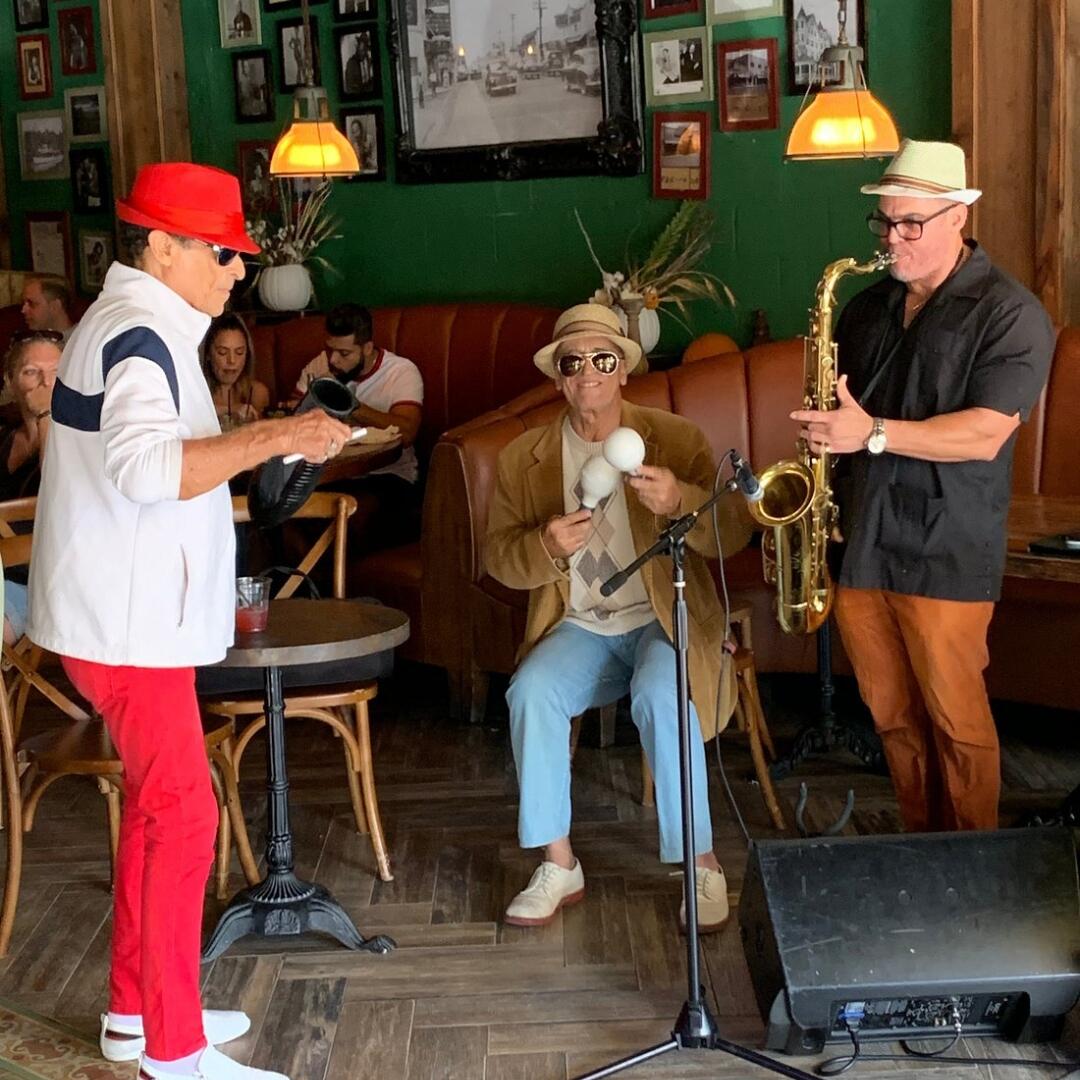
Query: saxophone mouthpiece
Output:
(885,258)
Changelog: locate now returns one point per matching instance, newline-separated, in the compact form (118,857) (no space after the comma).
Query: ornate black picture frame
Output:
(604,69)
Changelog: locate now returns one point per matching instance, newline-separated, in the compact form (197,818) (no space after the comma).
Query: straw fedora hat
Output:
(926,170)
(589,319)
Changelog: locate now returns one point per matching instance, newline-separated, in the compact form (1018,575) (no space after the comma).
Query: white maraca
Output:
(598,480)
(624,448)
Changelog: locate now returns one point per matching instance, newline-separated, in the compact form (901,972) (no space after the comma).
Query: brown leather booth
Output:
(741,400)
(472,356)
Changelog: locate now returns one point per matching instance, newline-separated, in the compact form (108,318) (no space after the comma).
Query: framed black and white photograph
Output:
(95,256)
(504,89)
(42,145)
(35,67)
(355,9)
(239,23)
(30,14)
(257,187)
(75,30)
(727,11)
(659,9)
(357,50)
(48,239)
(677,66)
(87,117)
(89,179)
(746,75)
(291,52)
(814,25)
(253,87)
(364,129)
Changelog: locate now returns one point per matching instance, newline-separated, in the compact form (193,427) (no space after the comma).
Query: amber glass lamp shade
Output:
(313,146)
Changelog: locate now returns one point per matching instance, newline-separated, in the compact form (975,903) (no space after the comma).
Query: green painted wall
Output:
(777,224)
(41,194)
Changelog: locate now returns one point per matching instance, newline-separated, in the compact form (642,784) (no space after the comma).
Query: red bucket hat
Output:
(188,200)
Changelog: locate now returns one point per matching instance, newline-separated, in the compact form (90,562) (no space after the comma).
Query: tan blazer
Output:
(529,491)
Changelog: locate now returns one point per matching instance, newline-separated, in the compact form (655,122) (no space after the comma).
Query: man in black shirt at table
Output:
(943,360)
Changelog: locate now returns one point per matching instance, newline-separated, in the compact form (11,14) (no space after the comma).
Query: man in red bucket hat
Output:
(132,584)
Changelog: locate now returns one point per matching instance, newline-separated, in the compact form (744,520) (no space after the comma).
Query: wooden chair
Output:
(343,707)
(81,747)
(749,718)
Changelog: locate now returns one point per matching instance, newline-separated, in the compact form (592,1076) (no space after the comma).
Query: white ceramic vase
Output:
(285,288)
(648,327)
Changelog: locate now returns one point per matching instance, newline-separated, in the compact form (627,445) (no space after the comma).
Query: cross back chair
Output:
(81,747)
(343,707)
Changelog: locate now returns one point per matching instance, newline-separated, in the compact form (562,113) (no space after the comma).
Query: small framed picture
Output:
(89,179)
(364,129)
(42,145)
(726,11)
(31,14)
(253,87)
(291,51)
(95,257)
(747,78)
(355,9)
(87,117)
(76,34)
(257,187)
(659,9)
(35,67)
(677,66)
(681,155)
(358,62)
(239,23)
(48,239)
(279,5)
(814,25)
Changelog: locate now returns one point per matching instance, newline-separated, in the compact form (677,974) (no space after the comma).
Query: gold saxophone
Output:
(796,505)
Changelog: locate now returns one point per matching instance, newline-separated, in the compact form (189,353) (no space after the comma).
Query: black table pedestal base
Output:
(286,907)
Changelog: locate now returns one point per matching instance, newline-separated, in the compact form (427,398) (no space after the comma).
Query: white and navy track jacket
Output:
(124,572)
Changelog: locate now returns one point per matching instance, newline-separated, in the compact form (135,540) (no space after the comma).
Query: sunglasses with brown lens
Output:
(55,336)
(604,361)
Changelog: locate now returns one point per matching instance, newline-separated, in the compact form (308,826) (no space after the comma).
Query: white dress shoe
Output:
(712,901)
(552,887)
(125,1042)
(212,1065)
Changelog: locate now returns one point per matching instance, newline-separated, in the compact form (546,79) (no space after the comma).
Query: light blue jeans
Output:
(572,670)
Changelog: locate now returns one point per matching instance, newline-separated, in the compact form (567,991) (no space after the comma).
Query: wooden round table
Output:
(299,632)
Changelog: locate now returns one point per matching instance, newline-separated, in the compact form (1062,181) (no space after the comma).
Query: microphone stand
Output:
(695,1028)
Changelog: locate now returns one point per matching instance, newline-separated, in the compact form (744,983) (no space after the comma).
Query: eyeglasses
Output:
(55,336)
(224,255)
(906,228)
(605,362)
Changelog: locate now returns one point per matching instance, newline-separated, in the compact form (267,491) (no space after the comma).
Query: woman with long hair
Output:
(228,361)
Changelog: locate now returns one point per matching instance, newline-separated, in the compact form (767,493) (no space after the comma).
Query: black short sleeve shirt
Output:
(929,528)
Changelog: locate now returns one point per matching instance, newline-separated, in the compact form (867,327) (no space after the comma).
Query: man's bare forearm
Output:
(208,463)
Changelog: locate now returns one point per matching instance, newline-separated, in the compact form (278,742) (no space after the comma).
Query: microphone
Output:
(745,480)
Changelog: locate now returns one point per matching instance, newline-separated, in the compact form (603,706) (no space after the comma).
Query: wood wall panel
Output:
(146,85)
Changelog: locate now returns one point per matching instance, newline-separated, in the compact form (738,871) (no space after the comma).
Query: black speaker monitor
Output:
(910,935)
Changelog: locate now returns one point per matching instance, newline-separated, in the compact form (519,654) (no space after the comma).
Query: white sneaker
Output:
(212,1065)
(712,901)
(552,887)
(126,1042)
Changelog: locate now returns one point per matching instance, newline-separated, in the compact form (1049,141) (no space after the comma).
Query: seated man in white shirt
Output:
(389,391)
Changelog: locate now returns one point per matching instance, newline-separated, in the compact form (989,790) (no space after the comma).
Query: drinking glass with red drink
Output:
(252,604)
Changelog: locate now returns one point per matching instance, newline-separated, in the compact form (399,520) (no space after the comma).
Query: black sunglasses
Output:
(604,362)
(906,228)
(55,336)
(223,255)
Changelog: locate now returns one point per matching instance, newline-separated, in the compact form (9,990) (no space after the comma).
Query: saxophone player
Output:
(942,361)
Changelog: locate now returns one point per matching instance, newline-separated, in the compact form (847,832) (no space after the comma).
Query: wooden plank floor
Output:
(463,997)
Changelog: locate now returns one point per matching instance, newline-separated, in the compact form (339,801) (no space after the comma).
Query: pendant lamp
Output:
(312,146)
(844,120)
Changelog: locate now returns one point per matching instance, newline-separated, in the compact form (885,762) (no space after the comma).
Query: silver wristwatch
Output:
(875,443)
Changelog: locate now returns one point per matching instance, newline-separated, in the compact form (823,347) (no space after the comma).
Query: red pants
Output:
(167,836)
(920,665)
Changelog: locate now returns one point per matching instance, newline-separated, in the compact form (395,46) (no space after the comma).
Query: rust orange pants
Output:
(920,664)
